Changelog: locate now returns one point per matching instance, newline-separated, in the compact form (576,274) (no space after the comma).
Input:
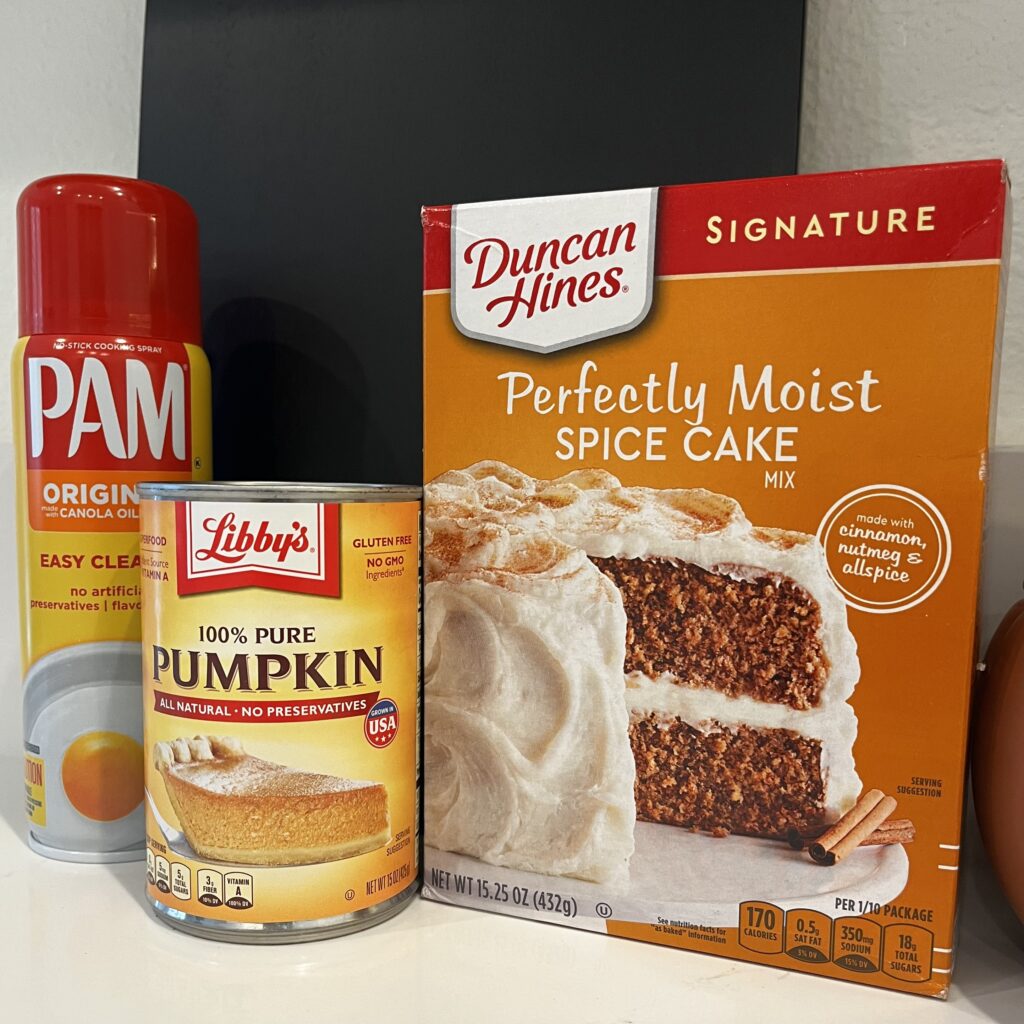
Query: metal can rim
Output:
(271,491)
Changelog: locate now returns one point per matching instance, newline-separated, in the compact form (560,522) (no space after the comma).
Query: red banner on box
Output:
(938,213)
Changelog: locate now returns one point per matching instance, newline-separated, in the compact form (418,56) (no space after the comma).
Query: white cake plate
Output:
(681,876)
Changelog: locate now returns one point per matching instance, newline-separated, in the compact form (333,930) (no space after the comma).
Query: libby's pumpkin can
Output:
(281,700)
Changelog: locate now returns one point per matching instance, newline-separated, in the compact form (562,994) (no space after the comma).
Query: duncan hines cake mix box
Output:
(705,482)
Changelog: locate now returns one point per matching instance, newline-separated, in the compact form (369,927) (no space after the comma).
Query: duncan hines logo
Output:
(547,274)
(276,546)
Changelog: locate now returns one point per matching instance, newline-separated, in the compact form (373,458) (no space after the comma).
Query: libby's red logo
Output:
(233,540)
(105,403)
(545,274)
(277,546)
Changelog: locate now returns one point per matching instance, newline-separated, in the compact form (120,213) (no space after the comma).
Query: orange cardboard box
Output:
(706,473)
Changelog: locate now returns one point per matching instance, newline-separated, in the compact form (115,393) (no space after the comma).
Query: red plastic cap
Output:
(105,255)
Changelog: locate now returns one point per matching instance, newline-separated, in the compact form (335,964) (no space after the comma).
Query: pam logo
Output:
(546,274)
(95,407)
(277,546)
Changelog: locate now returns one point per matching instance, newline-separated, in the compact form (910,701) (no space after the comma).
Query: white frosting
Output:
(490,510)
(835,726)
(527,750)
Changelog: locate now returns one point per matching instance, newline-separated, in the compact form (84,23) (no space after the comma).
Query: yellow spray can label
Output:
(93,416)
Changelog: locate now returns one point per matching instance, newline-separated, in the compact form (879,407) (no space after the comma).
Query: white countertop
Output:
(78,943)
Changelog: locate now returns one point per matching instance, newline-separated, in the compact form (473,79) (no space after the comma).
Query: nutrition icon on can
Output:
(281,684)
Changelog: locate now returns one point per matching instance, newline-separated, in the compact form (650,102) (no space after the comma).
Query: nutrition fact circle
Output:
(887,547)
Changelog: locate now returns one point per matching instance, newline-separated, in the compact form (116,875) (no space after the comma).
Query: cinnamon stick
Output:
(870,811)
(895,830)
(856,814)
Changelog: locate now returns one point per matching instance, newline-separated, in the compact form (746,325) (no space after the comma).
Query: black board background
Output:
(307,135)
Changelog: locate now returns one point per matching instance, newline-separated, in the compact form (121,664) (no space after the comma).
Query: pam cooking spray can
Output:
(110,387)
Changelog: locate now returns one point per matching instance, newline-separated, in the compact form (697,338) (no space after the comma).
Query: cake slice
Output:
(736,658)
(739,663)
(238,808)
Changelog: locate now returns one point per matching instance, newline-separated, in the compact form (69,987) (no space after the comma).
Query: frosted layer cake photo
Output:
(679,666)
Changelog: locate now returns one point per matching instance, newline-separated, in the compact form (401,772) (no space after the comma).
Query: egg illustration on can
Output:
(83,729)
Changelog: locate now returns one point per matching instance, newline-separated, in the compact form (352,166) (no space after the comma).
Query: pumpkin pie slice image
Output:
(238,808)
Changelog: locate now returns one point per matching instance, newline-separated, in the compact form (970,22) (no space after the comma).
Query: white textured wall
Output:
(70,82)
(915,81)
